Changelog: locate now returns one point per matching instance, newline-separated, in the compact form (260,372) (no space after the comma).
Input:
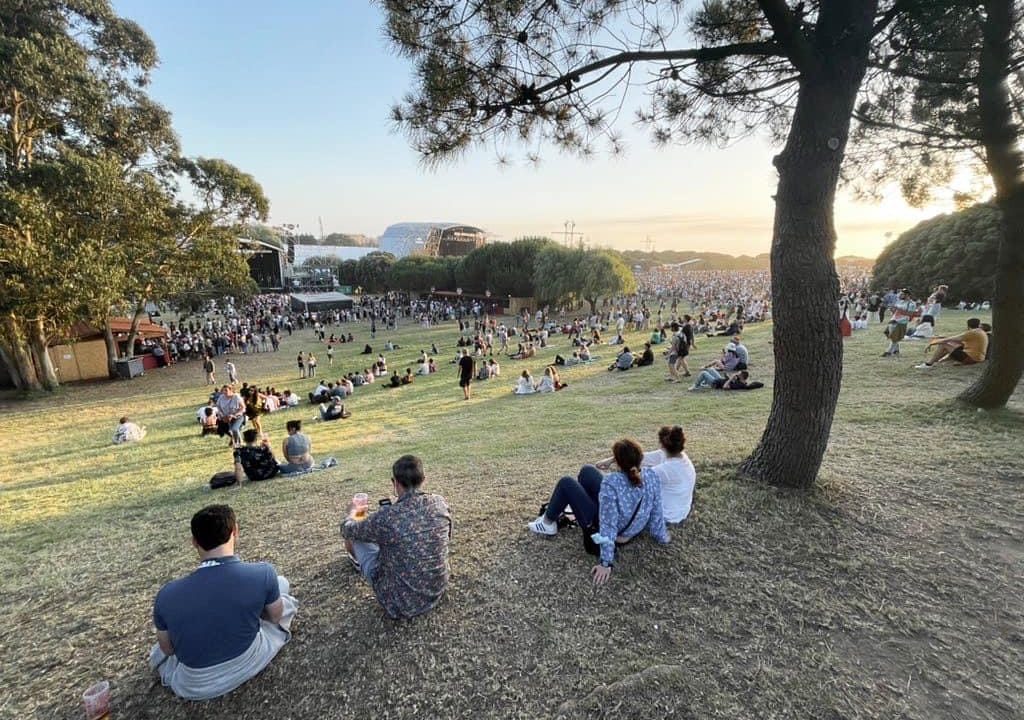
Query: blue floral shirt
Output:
(617,501)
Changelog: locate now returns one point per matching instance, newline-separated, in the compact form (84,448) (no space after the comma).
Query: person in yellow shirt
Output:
(967,348)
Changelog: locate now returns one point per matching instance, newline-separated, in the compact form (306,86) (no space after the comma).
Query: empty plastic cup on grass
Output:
(97,701)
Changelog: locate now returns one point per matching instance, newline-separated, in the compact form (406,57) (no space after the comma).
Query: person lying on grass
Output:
(402,549)
(610,509)
(223,623)
(717,380)
(967,348)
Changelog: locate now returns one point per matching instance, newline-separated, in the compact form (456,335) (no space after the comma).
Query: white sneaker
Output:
(542,526)
(923,366)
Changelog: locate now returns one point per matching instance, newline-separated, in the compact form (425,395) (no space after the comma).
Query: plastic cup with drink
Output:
(360,506)
(97,701)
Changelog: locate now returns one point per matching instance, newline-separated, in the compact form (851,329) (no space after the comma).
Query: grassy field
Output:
(894,590)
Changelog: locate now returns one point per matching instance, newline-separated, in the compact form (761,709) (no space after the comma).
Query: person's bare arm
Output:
(274,611)
(163,639)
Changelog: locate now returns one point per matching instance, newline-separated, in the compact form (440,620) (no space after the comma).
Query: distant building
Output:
(433,239)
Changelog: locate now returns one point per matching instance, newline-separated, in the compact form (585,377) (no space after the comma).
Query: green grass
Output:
(892,590)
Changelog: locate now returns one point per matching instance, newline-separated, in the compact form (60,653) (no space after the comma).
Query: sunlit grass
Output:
(916,493)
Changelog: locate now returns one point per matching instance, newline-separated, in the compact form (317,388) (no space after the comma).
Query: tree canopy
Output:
(93,215)
(958,250)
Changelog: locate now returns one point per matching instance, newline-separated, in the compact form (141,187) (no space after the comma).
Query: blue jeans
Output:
(707,378)
(581,492)
(235,427)
(366,555)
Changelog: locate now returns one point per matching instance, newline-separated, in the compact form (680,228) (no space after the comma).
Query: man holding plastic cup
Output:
(402,549)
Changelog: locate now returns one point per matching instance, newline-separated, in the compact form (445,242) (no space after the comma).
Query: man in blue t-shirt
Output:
(223,623)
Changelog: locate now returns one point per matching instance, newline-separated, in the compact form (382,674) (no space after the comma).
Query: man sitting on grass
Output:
(967,348)
(402,549)
(223,623)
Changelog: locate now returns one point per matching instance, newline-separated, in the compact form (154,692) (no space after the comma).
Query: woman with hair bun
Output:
(611,509)
(678,476)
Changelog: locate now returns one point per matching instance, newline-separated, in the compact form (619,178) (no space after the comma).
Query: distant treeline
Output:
(720,261)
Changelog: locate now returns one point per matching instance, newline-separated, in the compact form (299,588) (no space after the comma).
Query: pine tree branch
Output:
(705,54)
(789,35)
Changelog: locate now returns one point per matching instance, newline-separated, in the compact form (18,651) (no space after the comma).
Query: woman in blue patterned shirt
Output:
(624,503)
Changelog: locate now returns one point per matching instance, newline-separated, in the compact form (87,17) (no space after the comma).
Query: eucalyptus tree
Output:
(90,174)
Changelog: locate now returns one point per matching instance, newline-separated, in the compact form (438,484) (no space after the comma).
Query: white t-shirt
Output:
(678,478)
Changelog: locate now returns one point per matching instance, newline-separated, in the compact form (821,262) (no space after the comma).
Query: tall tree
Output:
(602,274)
(90,217)
(535,70)
(948,94)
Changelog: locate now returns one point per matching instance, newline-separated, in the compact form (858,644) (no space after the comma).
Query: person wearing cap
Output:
(222,624)
(737,346)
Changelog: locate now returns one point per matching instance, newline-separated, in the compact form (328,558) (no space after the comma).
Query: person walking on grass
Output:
(467,366)
(229,368)
(209,368)
(302,365)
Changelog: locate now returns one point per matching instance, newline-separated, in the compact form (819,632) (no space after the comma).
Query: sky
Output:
(298,94)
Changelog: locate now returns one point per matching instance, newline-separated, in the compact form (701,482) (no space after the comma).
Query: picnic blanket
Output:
(216,680)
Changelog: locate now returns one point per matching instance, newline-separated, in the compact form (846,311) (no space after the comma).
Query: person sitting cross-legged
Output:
(222,624)
(647,358)
(402,548)
(968,348)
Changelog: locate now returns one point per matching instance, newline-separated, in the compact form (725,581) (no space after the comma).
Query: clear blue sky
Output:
(298,93)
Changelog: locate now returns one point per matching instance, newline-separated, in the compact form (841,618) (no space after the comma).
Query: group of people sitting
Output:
(616,499)
(224,622)
(626,359)
(582,355)
(255,460)
(549,382)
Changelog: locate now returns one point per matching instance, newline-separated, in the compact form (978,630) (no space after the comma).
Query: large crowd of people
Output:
(207,646)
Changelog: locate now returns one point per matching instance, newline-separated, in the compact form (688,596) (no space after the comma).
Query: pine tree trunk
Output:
(21,359)
(1004,370)
(37,342)
(805,288)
